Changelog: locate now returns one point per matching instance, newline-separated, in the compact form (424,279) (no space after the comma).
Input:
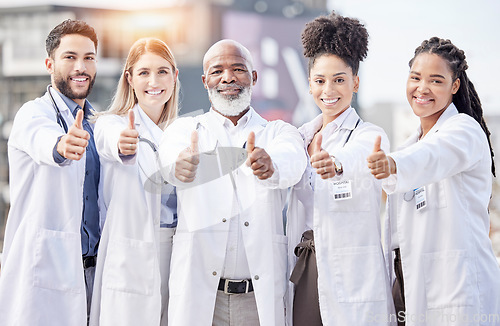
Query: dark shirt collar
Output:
(73,106)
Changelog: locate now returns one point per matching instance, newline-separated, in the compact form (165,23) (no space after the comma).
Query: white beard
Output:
(234,105)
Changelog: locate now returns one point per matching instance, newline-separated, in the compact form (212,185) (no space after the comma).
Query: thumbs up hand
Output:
(258,159)
(72,145)
(250,146)
(188,160)
(320,159)
(129,137)
(381,165)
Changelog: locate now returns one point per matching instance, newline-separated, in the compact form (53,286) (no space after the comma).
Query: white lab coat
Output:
(353,280)
(42,281)
(451,276)
(128,274)
(198,255)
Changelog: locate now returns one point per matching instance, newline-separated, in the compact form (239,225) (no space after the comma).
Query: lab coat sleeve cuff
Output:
(58,158)
(390,184)
(128,159)
(272,182)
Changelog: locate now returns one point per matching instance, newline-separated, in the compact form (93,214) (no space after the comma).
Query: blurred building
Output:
(270,29)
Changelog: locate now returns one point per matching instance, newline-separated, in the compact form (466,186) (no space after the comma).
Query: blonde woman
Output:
(131,286)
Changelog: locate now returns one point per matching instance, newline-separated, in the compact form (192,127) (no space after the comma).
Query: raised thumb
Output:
(376,146)
(79,119)
(131,119)
(317,144)
(194,142)
(250,142)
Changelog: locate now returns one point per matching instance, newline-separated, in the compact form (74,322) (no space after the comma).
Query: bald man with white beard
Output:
(230,250)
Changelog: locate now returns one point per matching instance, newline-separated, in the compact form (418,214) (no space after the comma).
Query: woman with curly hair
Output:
(439,185)
(340,276)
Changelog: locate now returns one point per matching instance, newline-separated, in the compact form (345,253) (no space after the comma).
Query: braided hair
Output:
(342,36)
(465,99)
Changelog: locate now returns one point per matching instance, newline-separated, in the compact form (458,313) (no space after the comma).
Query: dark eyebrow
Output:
(438,76)
(233,65)
(433,76)
(335,75)
(74,53)
(215,67)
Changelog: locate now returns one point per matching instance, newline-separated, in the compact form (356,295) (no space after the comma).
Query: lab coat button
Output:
(224,220)
(214,273)
(256,277)
(246,223)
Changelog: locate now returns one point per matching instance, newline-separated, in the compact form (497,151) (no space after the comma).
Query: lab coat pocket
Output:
(359,274)
(437,194)
(447,279)
(280,244)
(354,199)
(58,264)
(130,266)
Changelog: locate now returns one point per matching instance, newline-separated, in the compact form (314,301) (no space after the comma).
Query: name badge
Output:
(420,200)
(342,190)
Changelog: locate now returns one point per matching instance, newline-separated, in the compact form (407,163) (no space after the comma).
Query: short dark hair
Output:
(68,27)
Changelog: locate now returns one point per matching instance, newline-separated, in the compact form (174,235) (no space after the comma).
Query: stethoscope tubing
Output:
(60,119)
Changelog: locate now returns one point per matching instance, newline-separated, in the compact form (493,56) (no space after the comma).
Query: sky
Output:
(396,28)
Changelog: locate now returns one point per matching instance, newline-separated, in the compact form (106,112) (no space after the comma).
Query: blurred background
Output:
(271,30)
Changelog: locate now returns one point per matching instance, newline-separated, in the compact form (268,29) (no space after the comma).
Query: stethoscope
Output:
(60,119)
(156,179)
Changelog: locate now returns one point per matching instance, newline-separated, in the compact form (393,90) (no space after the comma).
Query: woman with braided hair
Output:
(439,185)
(339,273)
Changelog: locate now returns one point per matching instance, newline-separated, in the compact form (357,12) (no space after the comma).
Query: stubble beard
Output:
(62,84)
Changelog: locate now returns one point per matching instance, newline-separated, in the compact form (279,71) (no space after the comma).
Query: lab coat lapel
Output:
(344,131)
(146,159)
(210,122)
(257,124)
(215,130)
(450,111)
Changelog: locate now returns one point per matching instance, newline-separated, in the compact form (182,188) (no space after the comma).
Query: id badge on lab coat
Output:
(420,198)
(342,190)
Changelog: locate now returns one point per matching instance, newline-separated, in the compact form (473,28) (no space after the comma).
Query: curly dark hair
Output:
(342,36)
(67,27)
(465,99)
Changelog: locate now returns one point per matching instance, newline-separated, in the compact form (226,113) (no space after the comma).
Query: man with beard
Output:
(229,252)
(54,175)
